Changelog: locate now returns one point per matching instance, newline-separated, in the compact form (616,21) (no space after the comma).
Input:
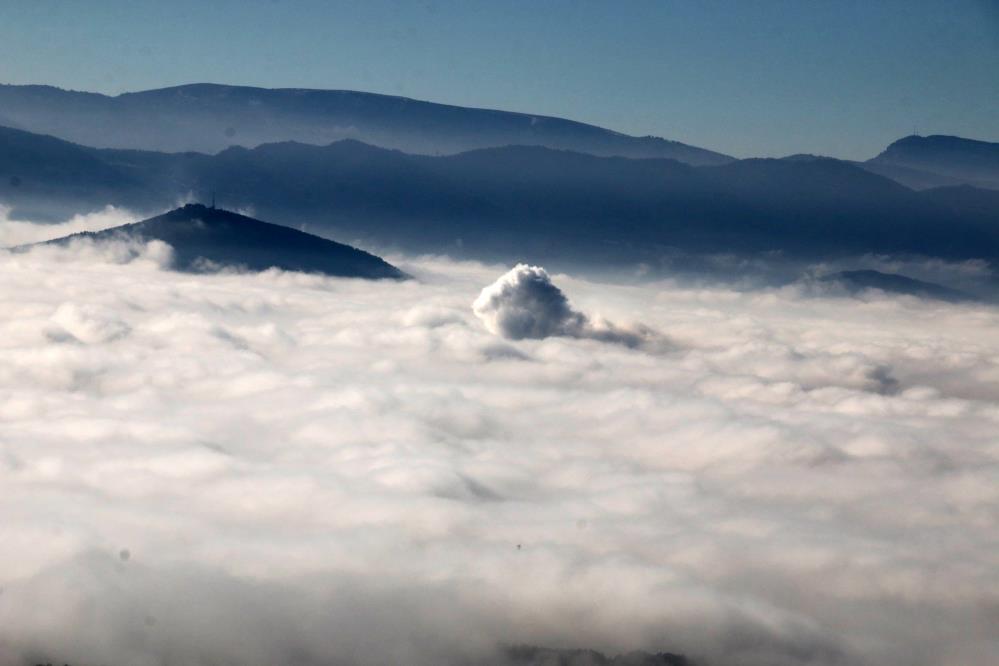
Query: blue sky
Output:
(748,78)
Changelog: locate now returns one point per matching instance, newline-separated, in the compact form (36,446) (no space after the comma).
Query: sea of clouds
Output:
(290,469)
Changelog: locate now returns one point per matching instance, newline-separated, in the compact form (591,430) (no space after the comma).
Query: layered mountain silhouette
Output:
(209,118)
(928,161)
(522,202)
(925,162)
(207,239)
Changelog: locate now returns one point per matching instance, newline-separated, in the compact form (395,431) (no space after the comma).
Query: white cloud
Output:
(22,232)
(524,303)
(315,470)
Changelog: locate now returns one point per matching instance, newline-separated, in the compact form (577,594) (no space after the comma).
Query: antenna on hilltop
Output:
(213,199)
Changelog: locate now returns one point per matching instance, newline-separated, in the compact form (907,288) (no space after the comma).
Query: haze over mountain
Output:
(209,118)
(950,159)
(295,374)
(522,203)
(207,239)
(926,162)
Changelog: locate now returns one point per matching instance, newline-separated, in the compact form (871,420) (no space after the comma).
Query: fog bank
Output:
(281,468)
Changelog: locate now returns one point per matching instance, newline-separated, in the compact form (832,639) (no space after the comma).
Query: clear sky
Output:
(841,77)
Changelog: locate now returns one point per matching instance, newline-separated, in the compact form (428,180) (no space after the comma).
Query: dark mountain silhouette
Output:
(522,202)
(209,118)
(207,239)
(855,281)
(940,160)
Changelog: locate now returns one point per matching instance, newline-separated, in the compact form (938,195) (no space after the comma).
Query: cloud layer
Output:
(281,468)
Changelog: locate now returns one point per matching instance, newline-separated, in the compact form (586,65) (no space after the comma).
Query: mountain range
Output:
(506,202)
(208,118)
(519,200)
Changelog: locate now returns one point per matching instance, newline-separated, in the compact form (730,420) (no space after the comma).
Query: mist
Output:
(15,232)
(284,468)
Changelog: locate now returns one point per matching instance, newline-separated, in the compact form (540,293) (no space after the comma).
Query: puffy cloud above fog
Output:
(524,303)
(333,471)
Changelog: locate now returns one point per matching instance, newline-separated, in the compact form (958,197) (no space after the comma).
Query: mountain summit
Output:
(953,159)
(207,238)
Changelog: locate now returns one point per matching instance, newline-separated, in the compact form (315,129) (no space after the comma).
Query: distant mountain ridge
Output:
(953,160)
(206,239)
(926,162)
(210,117)
(524,202)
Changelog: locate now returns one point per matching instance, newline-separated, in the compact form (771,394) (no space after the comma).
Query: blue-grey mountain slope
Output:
(524,202)
(209,118)
(934,161)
